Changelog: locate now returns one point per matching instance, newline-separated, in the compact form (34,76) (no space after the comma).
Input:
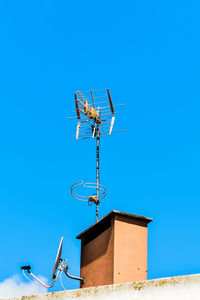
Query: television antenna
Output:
(95,113)
(59,267)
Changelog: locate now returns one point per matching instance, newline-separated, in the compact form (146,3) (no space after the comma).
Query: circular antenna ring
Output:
(88,197)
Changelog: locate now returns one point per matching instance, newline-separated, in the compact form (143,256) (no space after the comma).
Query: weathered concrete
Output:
(173,288)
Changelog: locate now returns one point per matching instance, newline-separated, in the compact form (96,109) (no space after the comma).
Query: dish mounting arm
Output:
(74,277)
(27,268)
(64,268)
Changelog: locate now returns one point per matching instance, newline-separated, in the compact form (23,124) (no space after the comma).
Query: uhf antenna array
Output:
(95,114)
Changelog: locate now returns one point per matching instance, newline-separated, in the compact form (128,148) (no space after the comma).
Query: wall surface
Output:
(114,251)
(174,288)
(130,250)
(98,255)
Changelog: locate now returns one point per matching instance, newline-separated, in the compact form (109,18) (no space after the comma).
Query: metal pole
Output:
(74,277)
(97,174)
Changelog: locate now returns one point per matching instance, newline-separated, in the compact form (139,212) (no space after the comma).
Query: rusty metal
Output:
(110,100)
(77,111)
(97,174)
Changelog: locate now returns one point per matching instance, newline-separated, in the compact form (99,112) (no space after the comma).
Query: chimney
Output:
(114,250)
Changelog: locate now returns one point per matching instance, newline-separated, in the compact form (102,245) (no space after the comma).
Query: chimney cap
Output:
(106,219)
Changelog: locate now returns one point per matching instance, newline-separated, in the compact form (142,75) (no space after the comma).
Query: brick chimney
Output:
(114,250)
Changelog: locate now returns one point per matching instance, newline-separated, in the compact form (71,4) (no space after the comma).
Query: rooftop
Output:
(173,288)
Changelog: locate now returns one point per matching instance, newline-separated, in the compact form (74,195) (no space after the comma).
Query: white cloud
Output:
(14,286)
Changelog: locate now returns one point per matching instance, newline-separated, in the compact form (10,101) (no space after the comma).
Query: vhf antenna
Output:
(96,117)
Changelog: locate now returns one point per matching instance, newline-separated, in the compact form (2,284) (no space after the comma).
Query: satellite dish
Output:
(57,261)
(62,268)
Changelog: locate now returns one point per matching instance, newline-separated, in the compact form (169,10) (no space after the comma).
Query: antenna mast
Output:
(95,118)
(97,174)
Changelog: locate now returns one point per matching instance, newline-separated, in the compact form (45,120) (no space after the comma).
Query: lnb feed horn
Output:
(26,267)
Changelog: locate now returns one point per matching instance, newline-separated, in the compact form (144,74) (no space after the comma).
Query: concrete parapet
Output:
(172,288)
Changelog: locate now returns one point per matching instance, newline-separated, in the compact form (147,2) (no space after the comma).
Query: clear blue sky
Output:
(147,54)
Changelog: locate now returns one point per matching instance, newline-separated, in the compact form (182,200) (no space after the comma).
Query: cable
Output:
(40,282)
(30,279)
(62,282)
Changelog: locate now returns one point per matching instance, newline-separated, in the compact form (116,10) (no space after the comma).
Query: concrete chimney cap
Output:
(104,222)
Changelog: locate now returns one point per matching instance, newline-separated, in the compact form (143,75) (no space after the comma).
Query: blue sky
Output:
(147,54)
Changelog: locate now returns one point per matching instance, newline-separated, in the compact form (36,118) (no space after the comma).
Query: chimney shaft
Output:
(114,250)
